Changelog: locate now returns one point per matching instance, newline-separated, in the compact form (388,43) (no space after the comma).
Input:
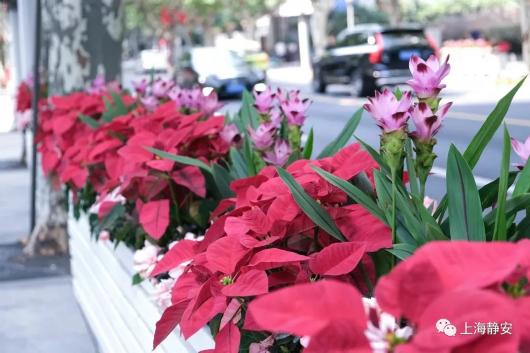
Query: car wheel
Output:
(357,84)
(318,84)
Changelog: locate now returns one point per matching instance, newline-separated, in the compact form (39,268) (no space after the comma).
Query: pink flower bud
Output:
(522,150)
(141,87)
(295,109)
(428,75)
(264,100)
(262,138)
(280,154)
(427,123)
(149,102)
(389,113)
(104,235)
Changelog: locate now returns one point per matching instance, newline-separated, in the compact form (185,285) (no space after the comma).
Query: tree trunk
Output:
(319,25)
(393,10)
(85,40)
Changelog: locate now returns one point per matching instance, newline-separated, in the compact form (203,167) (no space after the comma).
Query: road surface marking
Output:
(356,102)
(442,173)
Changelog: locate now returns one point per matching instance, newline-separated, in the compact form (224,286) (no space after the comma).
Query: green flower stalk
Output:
(392,115)
(295,137)
(428,123)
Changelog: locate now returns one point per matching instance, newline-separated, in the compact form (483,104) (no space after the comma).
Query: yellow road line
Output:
(357,102)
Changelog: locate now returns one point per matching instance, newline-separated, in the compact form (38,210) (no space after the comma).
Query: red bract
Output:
(440,267)
(330,312)
(154,217)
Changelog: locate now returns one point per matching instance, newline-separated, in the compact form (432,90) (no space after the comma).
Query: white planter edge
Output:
(122,316)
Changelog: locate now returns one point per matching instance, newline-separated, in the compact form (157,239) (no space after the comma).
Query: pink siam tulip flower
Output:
(276,117)
(141,87)
(150,102)
(230,133)
(262,138)
(98,85)
(175,93)
(428,75)
(523,150)
(389,113)
(279,155)
(295,109)
(210,104)
(427,123)
(263,346)
(264,100)
(282,95)
(115,86)
(194,98)
(161,88)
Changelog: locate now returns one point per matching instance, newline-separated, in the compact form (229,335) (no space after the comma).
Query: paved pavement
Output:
(38,315)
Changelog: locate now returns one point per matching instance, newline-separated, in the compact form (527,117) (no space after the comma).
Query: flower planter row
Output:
(122,316)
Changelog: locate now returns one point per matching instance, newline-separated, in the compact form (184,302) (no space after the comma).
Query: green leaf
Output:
(383,262)
(402,251)
(484,135)
(249,157)
(428,220)
(228,119)
(223,179)
(355,193)
(239,123)
(93,123)
(118,136)
(500,222)
(489,192)
(490,126)
(293,157)
(238,163)
(465,211)
(523,183)
(344,135)
(120,108)
(136,279)
(110,218)
(308,147)
(514,205)
(284,129)
(398,94)
(362,182)
(376,156)
(523,229)
(180,159)
(311,208)
(413,181)
(249,114)
(434,233)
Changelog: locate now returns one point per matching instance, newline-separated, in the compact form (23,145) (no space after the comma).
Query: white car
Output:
(153,59)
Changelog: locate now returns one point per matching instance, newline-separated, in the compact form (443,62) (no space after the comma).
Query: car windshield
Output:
(404,38)
(208,58)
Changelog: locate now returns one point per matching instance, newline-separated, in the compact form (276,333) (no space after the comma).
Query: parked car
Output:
(372,57)
(220,69)
(152,59)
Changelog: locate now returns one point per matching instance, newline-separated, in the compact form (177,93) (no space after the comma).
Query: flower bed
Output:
(121,316)
(245,236)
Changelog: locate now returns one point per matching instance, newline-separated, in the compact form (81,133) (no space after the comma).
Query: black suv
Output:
(370,57)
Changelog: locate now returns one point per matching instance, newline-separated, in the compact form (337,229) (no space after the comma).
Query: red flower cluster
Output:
(112,155)
(464,283)
(24,97)
(268,242)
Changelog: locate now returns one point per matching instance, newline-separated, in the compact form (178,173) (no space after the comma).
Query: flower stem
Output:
(366,278)
(393,170)
(315,240)
(422,190)
(174,197)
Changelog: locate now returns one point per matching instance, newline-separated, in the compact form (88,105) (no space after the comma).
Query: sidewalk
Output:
(38,311)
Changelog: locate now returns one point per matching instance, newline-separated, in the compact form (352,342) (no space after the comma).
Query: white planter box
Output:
(121,316)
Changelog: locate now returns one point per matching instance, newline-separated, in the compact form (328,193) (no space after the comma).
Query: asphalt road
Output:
(474,99)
